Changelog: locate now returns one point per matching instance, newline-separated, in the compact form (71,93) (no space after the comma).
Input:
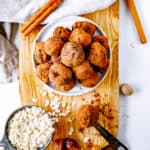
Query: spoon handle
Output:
(4,145)
(113,141)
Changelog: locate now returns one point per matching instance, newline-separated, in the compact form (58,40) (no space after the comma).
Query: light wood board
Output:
(30,85)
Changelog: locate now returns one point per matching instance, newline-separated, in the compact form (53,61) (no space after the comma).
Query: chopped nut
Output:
(126,89)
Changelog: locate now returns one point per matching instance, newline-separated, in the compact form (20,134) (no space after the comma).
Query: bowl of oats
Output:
(29,127)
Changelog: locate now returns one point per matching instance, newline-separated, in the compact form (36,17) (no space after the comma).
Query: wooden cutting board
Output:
(106,93)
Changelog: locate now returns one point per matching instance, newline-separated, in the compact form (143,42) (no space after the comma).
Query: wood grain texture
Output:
(30,85)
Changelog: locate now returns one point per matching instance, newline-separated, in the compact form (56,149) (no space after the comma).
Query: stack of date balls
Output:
(71,55)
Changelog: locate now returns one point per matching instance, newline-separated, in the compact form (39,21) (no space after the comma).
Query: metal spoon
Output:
(5,143)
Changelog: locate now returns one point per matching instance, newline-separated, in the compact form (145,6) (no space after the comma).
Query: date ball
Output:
(72,54)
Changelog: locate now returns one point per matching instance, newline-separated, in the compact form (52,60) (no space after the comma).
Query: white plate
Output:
(47,32)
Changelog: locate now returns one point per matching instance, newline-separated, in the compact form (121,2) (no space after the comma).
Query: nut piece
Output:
(126,89)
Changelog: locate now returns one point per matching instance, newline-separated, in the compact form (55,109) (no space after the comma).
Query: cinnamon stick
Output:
(37,19)
(136,19)
(34,17)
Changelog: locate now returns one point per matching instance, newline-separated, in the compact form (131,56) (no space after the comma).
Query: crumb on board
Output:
(43,92)
(51,94)
(63,104)
(34,100)
(58,107)
(71,131)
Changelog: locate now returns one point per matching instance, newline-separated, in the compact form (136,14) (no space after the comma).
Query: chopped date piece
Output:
(66,144)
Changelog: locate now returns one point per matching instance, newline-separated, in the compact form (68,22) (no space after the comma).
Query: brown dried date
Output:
(71,144)
(66,144)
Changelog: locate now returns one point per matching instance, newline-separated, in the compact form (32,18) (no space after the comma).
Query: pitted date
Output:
(66,144)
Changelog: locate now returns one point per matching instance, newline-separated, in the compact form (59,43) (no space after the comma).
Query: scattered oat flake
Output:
(41,90)
(34,100)
(68,111)
(63,104)
(62,114)
(47,102)
(56,98)
(70,120)
(44,93)
(86,139)
(51,94)
(73,103)
(71,130)
(68,107)
(57,111)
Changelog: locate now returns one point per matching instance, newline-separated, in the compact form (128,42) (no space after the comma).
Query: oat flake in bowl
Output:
(30,128)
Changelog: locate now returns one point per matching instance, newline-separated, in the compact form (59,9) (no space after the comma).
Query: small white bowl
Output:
(47,32)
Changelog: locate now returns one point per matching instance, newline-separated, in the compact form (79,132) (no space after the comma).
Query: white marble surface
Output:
(134,69)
